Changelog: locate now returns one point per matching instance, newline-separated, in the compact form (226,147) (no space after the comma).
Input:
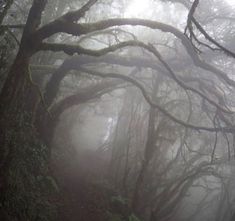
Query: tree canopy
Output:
(157,79)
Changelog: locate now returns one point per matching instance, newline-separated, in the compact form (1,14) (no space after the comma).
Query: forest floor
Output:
(83,201)
(87,198)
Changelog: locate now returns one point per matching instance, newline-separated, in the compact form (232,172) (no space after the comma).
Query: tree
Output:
(19,106)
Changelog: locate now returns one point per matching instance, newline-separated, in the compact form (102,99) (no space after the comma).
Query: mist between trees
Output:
(117,110)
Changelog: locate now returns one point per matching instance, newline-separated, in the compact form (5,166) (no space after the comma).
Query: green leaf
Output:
(133,217)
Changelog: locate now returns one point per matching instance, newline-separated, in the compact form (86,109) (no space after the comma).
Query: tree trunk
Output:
(148,154)
(12,102)
(17,137)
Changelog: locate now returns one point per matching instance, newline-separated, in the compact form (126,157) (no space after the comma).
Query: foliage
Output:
(132,217)
(121,210)
(119,199)
(29,187)
(7,46)
(114,217)
(118,217)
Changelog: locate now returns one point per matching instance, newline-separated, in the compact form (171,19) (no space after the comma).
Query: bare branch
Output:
(209,38)
(76,49)
(71,49)
(76,15)
(215,143)
(190,16)
(79,29)
(182,84)
(90,92)
(155,105)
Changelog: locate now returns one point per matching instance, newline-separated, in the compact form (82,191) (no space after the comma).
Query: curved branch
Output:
(71,49)
(76,49)
(209,38)
(76,15)
(190,16)
(155,105)
(88,93)
(80,29)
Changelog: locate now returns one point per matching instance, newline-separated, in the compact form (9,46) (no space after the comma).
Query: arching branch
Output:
(80,50)
(155,105)
(86,94)
(80,29)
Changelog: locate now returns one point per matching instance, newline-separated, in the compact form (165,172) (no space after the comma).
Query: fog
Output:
(117,110)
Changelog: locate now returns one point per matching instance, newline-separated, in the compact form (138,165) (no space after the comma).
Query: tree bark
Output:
(148,154)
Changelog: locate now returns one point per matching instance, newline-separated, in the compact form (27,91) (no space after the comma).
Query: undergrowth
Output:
(29,187)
